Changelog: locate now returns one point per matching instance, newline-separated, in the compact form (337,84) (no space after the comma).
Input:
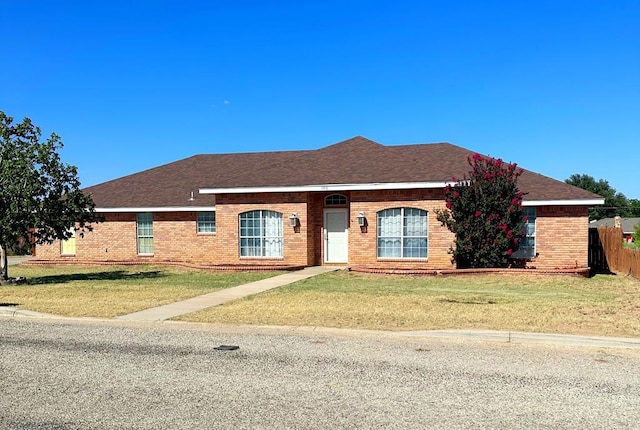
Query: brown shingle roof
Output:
(353,161)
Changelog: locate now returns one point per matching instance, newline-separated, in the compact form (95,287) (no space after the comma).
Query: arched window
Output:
(402,233)
(335,200)
(261,234)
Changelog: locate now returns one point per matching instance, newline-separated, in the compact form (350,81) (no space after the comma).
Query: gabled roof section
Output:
(356,163)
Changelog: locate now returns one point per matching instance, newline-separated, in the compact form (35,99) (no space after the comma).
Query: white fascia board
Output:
(583,202)
(328,187)
(158,209)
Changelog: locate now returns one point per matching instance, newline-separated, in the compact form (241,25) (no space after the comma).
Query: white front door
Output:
(336,243)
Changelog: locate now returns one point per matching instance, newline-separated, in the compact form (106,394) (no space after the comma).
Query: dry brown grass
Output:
(80,291)
(602,305)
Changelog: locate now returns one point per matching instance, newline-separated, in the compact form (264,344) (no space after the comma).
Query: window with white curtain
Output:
(402,233)
(145,233)
(527,248)
(261,234)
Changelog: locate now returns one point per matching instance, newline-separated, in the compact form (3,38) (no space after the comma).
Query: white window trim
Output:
(138,236)
(215,224)
(402,237)
(262,237)
(535,241)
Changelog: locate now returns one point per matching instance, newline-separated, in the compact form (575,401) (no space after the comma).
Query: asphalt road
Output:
(117,375)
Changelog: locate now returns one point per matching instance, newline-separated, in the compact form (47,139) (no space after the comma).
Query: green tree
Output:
(40,198)
(634,208)
(485,213)
(615,203)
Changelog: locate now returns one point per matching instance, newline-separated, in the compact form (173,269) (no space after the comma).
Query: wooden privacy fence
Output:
(606,252)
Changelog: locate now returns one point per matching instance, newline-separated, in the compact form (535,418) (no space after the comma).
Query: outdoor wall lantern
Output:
(293,220)
(362,221)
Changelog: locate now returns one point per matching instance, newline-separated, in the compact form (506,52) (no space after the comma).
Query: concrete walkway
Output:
(17,259)
(162,313)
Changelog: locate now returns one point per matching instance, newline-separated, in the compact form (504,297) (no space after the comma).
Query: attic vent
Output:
(335,200)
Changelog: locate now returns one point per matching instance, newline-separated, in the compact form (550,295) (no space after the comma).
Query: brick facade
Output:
(561,233)
(562,237)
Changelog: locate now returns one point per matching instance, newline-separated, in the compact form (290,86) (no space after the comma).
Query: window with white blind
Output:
(261,234)
(145,233)
(206,222)
(402,233)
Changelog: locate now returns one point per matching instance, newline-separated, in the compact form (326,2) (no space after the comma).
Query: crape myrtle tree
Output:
(485,213)
(40,198)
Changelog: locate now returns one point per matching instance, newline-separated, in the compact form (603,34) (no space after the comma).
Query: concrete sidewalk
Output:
(162,313)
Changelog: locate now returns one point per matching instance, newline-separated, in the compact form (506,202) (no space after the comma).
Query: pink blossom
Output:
(509,252)
(478,213)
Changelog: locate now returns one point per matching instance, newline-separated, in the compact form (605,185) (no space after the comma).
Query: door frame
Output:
(325,234)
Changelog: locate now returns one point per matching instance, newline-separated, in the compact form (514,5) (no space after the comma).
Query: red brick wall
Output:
(561,236)
(111,240)
(363,242)
(228,207)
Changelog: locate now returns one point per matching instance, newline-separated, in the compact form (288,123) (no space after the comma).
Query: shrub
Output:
(485,213)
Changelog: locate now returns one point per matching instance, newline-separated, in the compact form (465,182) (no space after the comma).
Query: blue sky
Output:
(129,85)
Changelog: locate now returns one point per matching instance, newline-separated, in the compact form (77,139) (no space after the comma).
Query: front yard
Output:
(109,291)
(603,305)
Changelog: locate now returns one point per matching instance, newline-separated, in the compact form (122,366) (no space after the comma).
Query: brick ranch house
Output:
(356,203)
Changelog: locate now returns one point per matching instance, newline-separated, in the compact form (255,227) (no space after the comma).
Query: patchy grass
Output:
(109,291)
(602,305)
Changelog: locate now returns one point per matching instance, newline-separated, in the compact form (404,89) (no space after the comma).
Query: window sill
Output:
(67,255)
(206,233)
(262,258)
(145,255)
(402,259)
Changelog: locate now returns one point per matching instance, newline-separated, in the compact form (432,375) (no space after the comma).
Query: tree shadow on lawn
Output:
(118,275)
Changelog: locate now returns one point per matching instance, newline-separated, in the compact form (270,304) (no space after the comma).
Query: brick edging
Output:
(578,271)
(211,267)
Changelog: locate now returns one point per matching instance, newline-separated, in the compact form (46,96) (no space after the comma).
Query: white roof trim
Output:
(327,187)
(582,202)
(159,209)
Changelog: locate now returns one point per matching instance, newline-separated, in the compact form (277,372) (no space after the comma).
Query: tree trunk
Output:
(4,263)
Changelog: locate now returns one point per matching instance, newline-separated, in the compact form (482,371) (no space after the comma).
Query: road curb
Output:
(529,338)
(565,340)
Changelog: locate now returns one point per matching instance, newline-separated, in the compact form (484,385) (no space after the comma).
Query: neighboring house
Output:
(628,225)
(354,203)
